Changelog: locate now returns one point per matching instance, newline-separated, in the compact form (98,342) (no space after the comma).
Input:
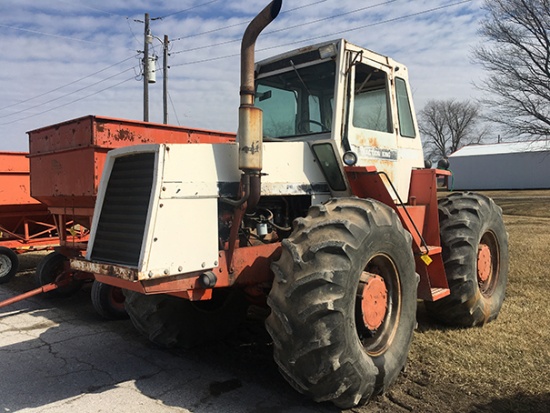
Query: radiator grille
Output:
(121,225)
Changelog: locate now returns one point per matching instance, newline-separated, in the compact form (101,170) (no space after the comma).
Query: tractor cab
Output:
(352,96)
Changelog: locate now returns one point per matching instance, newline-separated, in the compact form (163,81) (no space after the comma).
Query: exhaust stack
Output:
(250,117)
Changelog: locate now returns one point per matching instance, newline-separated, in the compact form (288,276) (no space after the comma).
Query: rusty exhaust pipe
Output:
(260,22)
(249,135)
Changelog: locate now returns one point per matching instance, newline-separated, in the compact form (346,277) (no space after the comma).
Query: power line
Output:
(331,34)
(241,23)
(183,11)
(67,104)
(91,8)
(174,109)
(57,36)
(63,96)
(49,34)
(291,27)
(131,31)
(68,84)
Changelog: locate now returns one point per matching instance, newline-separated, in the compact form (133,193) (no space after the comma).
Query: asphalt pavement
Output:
(58,355)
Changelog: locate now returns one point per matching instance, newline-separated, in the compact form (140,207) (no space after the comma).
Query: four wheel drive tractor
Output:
(321,210)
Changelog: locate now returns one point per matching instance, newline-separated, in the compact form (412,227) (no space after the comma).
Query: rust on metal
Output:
(251,266)
(124,135)
(129,274)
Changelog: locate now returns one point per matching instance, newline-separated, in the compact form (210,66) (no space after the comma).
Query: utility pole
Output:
(165,79)
(147,37)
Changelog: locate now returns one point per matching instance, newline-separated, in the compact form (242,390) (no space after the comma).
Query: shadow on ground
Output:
(55,351)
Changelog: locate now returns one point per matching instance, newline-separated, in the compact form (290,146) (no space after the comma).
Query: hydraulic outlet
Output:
(208,279)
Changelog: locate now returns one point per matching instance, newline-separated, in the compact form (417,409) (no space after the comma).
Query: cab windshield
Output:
(297,102)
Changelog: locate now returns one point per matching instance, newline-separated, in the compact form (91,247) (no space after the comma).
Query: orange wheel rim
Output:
(484,263)
(374,302)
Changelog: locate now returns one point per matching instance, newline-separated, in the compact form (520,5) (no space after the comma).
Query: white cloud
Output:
(435,46)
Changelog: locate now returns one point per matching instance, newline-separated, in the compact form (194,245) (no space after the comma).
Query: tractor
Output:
(322,211)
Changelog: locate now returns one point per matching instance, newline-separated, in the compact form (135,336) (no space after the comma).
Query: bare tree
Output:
(448,125)
(516,53)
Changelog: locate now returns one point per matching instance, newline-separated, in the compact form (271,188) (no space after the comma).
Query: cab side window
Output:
(371,109)
(406,123)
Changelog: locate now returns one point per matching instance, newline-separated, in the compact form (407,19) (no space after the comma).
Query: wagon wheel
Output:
(9,263)
(54,267)
(475,255)
(108,301)
(344,302)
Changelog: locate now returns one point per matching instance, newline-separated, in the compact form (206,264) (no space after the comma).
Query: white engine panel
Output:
(181,232)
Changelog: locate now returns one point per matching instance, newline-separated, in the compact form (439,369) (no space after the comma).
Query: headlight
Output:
(350,158)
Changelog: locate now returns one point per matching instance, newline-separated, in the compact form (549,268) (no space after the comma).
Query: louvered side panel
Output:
(121,225)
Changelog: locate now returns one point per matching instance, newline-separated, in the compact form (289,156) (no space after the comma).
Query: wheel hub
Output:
(484,263)
(5,265)
(374,302)
(116,298)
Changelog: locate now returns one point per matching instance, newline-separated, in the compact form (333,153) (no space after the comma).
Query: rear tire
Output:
(475,255)
(51,268)
(9,263)
(330,342)
(108,301)
(170,321)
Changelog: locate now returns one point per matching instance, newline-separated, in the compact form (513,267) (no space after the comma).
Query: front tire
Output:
(170,321)
(475,255)
(344,301)
(108,301)
(9,263)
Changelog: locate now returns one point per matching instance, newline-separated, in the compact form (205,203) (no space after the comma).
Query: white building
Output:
(518,165)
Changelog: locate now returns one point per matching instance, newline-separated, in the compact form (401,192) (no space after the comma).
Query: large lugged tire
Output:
(343,301)
(9,263)
(170,321)
(475,255)
(108,301)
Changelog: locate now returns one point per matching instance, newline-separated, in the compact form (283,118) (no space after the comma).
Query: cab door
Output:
(381,127)
(370,127)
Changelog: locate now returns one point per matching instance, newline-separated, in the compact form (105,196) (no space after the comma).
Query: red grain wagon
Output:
(25,224)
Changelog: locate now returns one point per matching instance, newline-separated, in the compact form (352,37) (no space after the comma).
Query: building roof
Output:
(503,148)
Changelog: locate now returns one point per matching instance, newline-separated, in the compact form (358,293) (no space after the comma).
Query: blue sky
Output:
(65,59)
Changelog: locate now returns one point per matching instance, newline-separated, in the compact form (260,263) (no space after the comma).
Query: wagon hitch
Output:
(44,289)
(61,281)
